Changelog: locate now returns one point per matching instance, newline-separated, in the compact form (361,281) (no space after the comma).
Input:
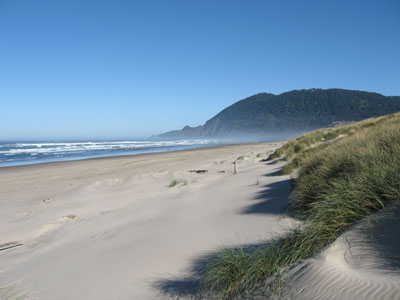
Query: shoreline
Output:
(135,155)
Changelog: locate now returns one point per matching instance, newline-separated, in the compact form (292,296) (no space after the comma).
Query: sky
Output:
(94,69)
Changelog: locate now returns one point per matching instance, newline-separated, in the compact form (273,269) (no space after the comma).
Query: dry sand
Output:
(363,263)
(111,228)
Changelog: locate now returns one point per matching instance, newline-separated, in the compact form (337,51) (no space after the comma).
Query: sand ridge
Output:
(363,263)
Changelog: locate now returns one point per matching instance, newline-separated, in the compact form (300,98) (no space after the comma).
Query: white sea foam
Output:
(63,148)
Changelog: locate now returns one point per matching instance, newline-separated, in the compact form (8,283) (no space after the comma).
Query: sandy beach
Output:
(112,228)
(115,228)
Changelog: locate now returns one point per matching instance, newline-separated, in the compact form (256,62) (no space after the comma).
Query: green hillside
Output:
(298,110)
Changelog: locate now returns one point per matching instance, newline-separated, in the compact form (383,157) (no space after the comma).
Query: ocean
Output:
(23,153)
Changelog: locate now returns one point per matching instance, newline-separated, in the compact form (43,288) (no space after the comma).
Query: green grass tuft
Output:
(177,182)
(331,135)
(288,169)
(276,154)
(300,147)
(306,142)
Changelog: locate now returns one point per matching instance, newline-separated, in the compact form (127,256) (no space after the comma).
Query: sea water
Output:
(22,153)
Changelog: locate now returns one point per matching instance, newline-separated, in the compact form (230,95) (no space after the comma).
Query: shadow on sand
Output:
(274,200)
(275,173)
(189,287)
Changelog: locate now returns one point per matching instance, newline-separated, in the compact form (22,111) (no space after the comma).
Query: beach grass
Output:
(339,183)
(297,151)
(176,182)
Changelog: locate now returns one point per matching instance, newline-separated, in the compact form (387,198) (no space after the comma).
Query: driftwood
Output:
(198,171)
(9,245)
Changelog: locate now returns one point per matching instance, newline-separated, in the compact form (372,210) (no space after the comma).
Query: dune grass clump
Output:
(301,158)
(339,184)
(364,167)
(290,167)
(176,182)
(276,154)
(299,145)
(295,152)
(289,153)
(331,135)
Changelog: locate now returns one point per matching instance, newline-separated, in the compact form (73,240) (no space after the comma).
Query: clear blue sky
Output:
(95,69)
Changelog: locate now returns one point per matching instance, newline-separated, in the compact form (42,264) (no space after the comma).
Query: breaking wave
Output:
(28,153)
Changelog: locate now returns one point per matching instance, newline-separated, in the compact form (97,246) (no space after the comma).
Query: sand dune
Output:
(364,263)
